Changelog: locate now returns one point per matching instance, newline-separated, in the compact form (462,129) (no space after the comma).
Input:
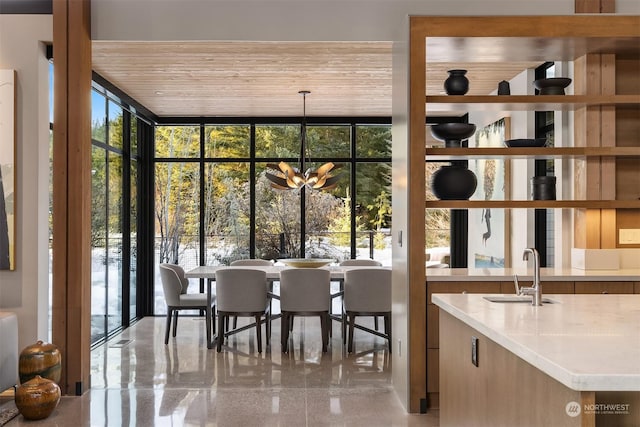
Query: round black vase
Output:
(457,83)
(453,183)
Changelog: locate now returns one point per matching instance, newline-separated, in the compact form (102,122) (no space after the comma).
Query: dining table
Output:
(208,272)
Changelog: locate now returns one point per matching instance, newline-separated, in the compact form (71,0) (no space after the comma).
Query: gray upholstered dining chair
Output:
(361,262)
(247,262)
(175,285)
(242,292)
(305,292)
(367,292)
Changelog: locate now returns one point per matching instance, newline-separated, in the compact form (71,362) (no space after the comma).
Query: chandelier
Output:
(285,177)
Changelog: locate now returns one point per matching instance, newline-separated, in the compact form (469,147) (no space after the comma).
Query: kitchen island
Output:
(500,281)
(573,362)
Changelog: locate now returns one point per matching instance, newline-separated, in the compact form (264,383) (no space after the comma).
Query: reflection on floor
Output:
(138,381)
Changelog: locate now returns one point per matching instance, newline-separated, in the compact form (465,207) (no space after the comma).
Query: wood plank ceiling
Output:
(243,79)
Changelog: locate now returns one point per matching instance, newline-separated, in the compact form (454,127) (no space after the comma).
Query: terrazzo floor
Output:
(137,380)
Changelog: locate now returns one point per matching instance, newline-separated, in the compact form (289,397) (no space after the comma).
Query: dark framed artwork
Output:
(7,169)
(489,228)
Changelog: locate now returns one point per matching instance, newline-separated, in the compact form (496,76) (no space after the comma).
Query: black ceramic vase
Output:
(457,83)
(543,187)
(503,88)
(453,183)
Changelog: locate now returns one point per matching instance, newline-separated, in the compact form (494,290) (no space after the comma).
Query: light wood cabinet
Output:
(504,390)
(451,288)
(604,287)
(433,326)
(548,287)
(461,287)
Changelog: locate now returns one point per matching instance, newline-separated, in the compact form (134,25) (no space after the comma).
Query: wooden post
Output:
(595,127)
(416,238)
(72,191)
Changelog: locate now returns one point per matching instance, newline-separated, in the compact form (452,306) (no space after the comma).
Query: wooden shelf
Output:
(533,204)
(525,102)
(446,154)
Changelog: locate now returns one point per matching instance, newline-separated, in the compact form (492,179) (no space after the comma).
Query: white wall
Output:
(400,201)
(295,20)
(289,20)
(25,290)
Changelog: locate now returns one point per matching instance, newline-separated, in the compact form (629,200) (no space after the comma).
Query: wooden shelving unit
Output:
(529,39)
(463,42)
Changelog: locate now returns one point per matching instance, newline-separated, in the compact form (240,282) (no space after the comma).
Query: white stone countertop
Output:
(586,342)
(554,274)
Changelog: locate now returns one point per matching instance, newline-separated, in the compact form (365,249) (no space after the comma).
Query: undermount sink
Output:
(514,298)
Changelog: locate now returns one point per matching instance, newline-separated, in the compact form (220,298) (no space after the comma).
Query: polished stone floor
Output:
(137,380)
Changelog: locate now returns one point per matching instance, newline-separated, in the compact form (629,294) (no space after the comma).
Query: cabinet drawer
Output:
(462,287)
(604,287)
(547,287)
(636,287)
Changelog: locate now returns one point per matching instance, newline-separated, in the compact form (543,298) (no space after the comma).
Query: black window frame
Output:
(353,122)
(542,129)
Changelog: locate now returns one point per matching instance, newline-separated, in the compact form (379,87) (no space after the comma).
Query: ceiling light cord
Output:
(303,130)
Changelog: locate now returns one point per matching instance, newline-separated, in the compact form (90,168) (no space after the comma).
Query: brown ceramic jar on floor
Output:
(37,398)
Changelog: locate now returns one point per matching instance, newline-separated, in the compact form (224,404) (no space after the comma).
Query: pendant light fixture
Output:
(285,177)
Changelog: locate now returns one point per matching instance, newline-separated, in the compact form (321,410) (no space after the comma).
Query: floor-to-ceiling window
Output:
(115,165)
(133,184)
(371,202)
(213,203)
(226,193)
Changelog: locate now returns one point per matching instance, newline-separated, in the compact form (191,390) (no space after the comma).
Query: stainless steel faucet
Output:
(536,290)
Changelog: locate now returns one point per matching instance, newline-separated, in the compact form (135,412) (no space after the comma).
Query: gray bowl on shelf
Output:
(526,142)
